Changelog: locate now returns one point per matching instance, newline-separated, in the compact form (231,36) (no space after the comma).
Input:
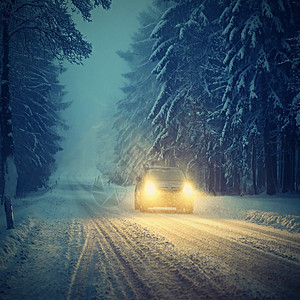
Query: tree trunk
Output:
(286,166)
(253,166)
(289,161)
(236,183)
(297,166)
(9,213)
(270,185)
(8,168)
(211,179)
(293,159)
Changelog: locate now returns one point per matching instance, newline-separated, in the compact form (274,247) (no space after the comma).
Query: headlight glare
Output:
(150,188)
(188,190)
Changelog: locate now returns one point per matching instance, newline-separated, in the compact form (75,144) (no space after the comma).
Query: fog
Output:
(94,87)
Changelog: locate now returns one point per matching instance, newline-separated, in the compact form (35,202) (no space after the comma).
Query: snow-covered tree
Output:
(228,99)
(52,25)
(259,118)
(189,53)
(185,52)
(134,136)
(36,98)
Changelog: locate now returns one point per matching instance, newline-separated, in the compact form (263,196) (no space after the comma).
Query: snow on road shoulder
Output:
(10,240)
(280,211)
(289,222)
(27,215)
(31,211)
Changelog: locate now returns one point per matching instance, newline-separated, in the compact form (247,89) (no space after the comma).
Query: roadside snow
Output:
(280,211)
(289,222)
(11,240)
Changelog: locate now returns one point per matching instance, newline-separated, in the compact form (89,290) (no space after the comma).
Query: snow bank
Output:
(27,215)
(280,211)
(289,222)
(11,240)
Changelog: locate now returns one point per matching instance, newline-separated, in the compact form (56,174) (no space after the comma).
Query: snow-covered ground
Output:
(280,211)
(55,240)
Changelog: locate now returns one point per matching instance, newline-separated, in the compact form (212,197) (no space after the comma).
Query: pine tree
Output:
(189,52)
(134,137)
(258,96)
(36,104)
(56,32)
(228,101)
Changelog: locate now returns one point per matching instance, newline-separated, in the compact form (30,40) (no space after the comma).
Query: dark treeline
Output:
(34,37)
(35,102)
(214,89)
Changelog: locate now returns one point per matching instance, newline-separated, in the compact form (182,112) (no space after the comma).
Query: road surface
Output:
(84,250)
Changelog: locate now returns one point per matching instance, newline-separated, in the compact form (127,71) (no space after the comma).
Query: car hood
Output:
(169,185)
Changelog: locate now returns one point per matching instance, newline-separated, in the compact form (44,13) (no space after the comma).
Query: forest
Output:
(214,89)
(36,38)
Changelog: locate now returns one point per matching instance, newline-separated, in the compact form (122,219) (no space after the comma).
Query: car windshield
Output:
(167,175)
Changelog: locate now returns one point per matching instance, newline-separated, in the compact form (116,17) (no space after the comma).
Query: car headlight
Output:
(150,189)
(187,189)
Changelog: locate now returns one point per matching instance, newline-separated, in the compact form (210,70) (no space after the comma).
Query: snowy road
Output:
(82,250)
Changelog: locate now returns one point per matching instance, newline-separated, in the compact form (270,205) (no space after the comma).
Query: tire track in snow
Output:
(285,247)
(176,256)
(208,277)
(146,269)
(274,273)
(123,273)
(78,266)
(119,281)
(167,273)
(160,256)
(270,235)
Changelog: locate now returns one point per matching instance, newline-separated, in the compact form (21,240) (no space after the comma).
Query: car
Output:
(163,187)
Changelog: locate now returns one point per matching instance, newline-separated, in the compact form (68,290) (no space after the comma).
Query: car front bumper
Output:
(164,198)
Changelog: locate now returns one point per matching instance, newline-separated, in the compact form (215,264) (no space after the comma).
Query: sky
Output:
(94,87)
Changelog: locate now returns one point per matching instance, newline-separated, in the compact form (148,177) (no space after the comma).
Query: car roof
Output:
(161,168)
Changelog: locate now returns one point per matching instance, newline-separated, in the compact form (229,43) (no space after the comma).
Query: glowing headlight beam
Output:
(188,190)
(150,188)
